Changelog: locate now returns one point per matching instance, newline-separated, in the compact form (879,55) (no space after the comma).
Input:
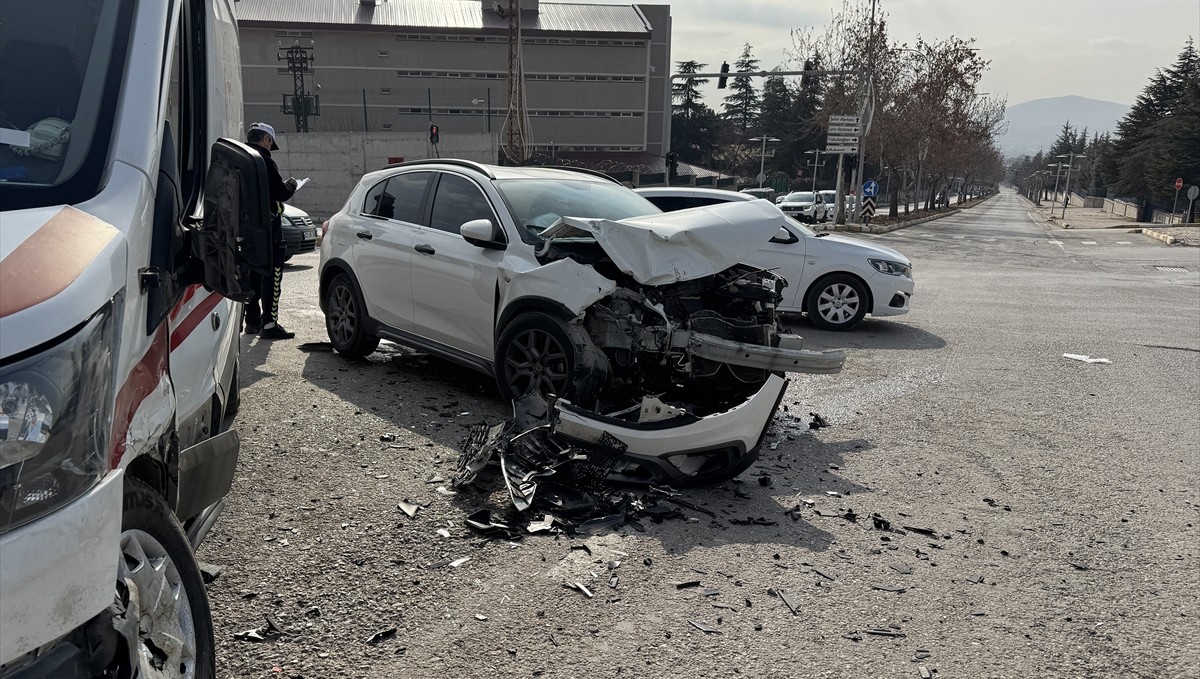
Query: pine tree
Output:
(775,114)
(694,126)
(742,104)
(1065,142)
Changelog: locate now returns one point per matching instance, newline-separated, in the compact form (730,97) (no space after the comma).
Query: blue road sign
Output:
(871,188)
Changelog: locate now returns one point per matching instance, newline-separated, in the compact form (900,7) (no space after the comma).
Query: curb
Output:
(913,222)
(1159,235)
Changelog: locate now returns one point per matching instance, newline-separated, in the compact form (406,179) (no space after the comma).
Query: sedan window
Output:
(456,202)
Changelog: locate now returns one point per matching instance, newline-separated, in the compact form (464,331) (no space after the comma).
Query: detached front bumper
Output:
(59,571)
(681,448)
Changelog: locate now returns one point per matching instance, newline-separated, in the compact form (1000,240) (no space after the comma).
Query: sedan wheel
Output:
(838,302)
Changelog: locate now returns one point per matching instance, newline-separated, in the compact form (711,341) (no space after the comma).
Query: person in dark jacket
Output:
(262,312)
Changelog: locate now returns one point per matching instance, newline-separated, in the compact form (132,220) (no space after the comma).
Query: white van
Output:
(122,244)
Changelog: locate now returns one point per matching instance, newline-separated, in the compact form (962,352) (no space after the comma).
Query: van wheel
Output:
(344,319)
(166,622)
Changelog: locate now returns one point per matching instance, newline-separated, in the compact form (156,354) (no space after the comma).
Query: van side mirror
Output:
(232,240)
(482,233)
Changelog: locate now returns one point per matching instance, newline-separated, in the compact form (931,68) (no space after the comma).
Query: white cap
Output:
(264,128)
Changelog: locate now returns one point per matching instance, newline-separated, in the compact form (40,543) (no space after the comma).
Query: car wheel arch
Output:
(518,306)
(826,274)
(330,271)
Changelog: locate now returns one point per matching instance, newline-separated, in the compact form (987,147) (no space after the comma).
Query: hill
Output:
(1035,124)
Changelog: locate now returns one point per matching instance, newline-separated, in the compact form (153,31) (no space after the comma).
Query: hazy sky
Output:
(1104,49)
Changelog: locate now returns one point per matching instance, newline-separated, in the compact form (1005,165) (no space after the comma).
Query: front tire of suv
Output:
(535,352)
(344,319)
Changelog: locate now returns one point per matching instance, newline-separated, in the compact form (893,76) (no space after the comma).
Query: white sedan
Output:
(836,280)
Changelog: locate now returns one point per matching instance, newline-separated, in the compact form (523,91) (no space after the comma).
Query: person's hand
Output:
(290,182)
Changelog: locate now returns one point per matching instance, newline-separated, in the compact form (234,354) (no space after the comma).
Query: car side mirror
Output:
(482,233)
(784,236)
(232,241)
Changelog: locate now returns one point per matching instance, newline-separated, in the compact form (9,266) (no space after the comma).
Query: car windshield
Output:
(56,110)
(800,197)
(536,204)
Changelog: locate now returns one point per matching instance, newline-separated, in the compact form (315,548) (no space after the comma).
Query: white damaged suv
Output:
(643,327)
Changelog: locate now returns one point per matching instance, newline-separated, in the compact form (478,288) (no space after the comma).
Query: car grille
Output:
(305,221)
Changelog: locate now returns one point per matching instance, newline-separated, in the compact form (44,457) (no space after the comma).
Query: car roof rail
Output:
(469,164)
(584,170)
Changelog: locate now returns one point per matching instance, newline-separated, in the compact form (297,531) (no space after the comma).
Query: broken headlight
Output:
(889,267)
(54,422)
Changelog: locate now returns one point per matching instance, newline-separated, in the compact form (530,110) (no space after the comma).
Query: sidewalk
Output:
(1082,217)
(1175,235)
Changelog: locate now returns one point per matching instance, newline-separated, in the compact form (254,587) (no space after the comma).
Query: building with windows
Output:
(596,76)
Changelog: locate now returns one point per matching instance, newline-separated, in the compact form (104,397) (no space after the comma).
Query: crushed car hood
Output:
(677,246)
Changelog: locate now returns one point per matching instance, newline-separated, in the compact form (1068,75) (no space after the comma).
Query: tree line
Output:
(932,131)
(1155,143)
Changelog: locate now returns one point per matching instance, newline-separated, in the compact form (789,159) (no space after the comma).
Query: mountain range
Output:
(1035,124)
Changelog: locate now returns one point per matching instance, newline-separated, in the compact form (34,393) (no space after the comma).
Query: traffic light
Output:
(721,82)
(433,134)
(672,166)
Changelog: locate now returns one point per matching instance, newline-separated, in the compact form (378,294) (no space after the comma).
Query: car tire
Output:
(345,320)
(170,603)
(536,351)
(837,302)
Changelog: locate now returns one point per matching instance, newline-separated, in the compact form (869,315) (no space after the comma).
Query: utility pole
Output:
(1067,191)
(301,103)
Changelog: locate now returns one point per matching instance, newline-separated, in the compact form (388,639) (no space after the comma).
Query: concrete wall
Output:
(335,161)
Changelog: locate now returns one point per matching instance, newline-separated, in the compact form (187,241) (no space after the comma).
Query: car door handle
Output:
(425,249)
(365,235)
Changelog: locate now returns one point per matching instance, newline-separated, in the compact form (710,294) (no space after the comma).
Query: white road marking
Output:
(1056,242)
(960,236)
(1087,242)
(925,235)
(1124,242)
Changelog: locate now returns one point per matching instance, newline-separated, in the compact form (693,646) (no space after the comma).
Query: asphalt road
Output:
(1038,514)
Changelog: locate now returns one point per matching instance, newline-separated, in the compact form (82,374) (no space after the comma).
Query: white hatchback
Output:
(836,280)
(658,344)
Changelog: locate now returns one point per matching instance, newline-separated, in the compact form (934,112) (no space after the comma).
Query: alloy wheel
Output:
(838,303)
(341,315)
(166,643)
(536,361)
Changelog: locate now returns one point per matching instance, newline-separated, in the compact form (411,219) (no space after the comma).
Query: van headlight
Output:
(889,267)
(55,421)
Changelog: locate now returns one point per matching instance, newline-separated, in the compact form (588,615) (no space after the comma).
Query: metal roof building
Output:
(596,75)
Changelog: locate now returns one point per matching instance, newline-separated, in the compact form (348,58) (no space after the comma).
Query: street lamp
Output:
(762,159)
(1067,191)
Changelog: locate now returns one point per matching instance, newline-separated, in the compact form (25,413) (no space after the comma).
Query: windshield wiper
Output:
(822,234)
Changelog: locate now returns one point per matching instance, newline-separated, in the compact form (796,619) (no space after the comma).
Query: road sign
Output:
(845,129)
(842,149)
(868,204)
(761,178)
(1193,193)
(849,120)
(1179,183)
(871,188)
(842,141)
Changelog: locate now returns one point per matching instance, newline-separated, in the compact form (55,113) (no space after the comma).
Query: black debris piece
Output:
(923,531)
(902,568)
(388,437)
(975,579)
(823,574)
(686,584)
(848,515)
(817,422)
(895,590)
(921,654)
(313,612)
(704,628)
(209,572)
(993,503)
(481,522)
(765,480)
(885,633)
(381,635)
(273,626)
(718,604)
(853,636)
(880,523)
(582,547)
(709,591)
(648,561)
(751,521)
(1080,565)
(684,503)
(602,523)
(309,347)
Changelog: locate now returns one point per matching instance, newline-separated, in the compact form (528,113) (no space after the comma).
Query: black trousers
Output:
(264,308)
